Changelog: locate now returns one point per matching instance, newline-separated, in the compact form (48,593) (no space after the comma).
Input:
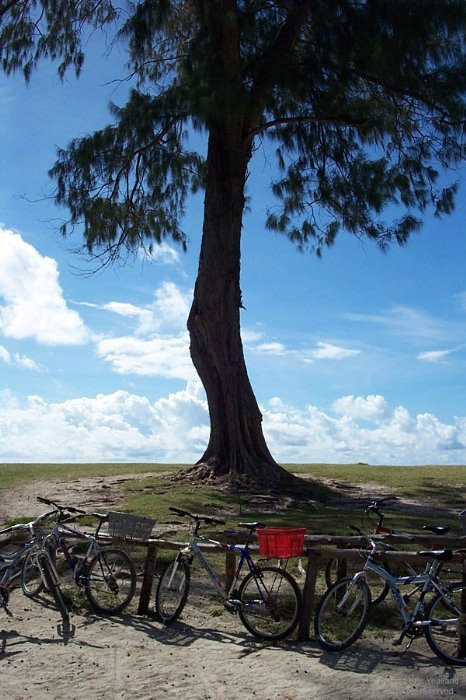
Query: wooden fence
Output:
(318,550)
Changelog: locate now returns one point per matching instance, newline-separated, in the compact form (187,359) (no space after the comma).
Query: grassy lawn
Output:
(152,495)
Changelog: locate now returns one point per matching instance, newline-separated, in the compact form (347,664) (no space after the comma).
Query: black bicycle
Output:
(106,574)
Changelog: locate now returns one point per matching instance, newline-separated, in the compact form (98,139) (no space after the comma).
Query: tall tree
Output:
(364,101)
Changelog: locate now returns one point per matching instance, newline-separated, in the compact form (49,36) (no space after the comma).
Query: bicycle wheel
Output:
(270,603)
(378,586)
(31,580)
(110,581)
(172,591)
(341,614)
(53,584)
(446,636)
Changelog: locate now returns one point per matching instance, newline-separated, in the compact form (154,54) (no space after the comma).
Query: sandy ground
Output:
(201,657)
(207,655)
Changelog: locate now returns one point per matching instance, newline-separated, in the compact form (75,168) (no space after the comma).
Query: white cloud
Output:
(271,348)
(169,310)
(160,344)
(162,253)
(5,355)
(17,360)
(164,356)
(434,355)
(126,427)
(323,351)
(310,435)
(438,355)
(34,306)
(327,351)
(109,427)
(373,407)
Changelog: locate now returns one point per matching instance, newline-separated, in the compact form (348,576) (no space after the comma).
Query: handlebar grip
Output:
(213,521)
(46,501)
(178,511)
(72,509)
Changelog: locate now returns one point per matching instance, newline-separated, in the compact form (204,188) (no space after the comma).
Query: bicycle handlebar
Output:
(57,506)
(199,518)
(375,505)
(372,541)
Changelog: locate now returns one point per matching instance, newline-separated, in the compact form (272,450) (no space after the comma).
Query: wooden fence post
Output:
(308,595)
(230,559)
(147,581)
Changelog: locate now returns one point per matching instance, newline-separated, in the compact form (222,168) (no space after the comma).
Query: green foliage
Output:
(36,29)
(364,100)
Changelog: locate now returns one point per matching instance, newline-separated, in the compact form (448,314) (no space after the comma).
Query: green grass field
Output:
(152,495)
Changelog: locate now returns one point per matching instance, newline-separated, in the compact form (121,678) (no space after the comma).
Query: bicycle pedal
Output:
(232,606)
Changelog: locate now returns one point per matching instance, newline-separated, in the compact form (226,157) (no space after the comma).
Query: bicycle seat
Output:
(441,554)
(251,526)
(437,529)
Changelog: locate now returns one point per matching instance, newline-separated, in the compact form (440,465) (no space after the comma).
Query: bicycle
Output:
(37,552)
(342,612)
(106,574)
(268,600)
(336,568)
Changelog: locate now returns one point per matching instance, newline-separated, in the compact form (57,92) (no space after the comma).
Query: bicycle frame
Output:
(60,532)
(194,549)
(426,581)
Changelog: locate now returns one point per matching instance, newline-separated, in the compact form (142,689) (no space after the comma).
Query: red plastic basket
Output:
(281,542)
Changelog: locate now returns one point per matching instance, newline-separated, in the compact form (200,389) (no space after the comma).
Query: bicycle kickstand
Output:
(398,642)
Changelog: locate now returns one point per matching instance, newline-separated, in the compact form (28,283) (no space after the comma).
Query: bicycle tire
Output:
(53,585)
(172,591)
(338,623)
(445,640)
(110,581)
(378,586)
(31,580)
(270,603)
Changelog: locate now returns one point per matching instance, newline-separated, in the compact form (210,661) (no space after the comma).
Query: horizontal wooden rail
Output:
(336,547)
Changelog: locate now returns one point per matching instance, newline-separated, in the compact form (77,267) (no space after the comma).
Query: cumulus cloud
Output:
(163,356)
(168,310)
(127,427)
(159,345)
(310,435)
(372,407)
(33,302)
(108,427)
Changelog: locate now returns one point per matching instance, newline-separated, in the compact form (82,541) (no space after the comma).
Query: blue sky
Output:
(356,357)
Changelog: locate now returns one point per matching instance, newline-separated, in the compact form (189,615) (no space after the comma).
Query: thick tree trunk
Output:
(237,447)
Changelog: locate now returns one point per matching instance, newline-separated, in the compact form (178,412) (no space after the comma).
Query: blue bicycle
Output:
(343,610)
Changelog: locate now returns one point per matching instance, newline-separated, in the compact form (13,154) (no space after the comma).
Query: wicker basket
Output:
(129,525)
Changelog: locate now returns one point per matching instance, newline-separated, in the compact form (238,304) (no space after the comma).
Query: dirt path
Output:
(89,493)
